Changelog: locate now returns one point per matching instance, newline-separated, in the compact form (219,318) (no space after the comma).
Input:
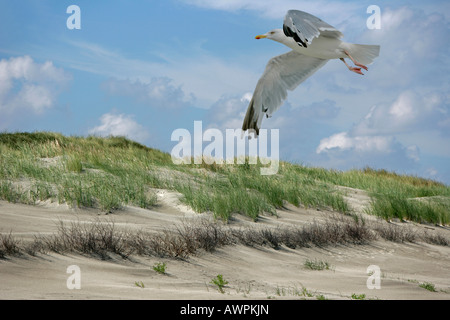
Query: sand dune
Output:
(252,272)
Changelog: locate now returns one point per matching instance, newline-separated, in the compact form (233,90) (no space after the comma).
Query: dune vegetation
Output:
(109,173)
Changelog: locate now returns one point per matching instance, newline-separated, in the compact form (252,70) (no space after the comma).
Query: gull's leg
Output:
(355,62)
(356,70)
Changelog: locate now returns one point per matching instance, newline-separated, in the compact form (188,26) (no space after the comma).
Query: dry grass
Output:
(102,239)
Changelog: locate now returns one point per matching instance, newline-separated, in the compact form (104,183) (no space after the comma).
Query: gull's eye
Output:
(272,32)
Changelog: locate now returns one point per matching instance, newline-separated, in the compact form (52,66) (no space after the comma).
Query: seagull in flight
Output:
(313,43)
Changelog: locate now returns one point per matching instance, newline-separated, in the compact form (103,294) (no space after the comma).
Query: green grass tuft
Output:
(428,286)
(160,267)
(220,282)
(317,265)
(358,296)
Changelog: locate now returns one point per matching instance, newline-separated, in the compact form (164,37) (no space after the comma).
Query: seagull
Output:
(313,43)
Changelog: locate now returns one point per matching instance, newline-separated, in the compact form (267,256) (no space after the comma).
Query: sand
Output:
(252,273)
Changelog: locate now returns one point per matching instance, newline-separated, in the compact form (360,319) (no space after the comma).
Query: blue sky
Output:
(145,68)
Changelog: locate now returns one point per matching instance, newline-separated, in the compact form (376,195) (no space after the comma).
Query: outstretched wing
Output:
(304,27)
(282,73)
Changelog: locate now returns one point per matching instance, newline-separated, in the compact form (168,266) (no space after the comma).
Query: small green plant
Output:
(321,297)
(280,291)
(246,290)
(317,265)
(358,296)
(160,267)
(306,293)
(220,282)
(428,286)
(294,291)
(139,284)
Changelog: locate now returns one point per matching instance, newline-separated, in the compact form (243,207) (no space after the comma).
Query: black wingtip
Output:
(290,33)
(250,123)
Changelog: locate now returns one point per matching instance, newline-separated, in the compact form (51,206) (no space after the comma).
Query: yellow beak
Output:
(261,36)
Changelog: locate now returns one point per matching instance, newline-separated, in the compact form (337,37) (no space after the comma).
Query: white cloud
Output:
(120,125)
(413,153)
(27,85)
(394,136)
(403,107)
(344,142)
(338,140)
(409,112)
(158,92)
(228,112)
(414,48)
(277,10)
(195,74)
(344,151)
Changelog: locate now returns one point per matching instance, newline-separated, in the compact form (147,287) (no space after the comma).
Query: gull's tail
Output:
(362,53)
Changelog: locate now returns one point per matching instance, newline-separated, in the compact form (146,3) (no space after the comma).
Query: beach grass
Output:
(101,238)
(111,172)
(317,265)
(219,282)
(428,286)
(160,267)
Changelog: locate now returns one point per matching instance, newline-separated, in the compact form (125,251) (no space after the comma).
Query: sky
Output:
(143,69)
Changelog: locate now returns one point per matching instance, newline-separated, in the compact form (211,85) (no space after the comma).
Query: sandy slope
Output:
(253,273)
